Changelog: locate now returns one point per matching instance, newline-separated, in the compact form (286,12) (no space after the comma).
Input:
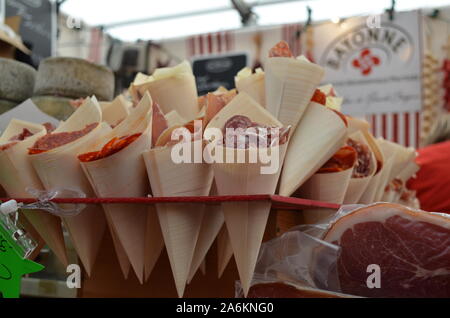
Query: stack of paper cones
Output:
(290,84)
(59,168)
(123,174)
(17,174)
(211,225)
(224,251)
(173,88)
(320,133)
(357,186)
(246,221)
(252,84)
(180,223)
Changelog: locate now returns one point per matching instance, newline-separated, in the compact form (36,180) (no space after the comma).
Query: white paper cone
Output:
(177,91)
(174,119)
(180,223)
(403,156)
(17,174)
(243,105)
(224,251)
(154,241)
(123,175)
(319,135)
(408,171)
(327,187)
(357,186)
(379,178)
(121,254)
(290,84)
(211,225)
(246,221)
(59,169)
(389,160)
(203,267)
(254,86)
(116,111)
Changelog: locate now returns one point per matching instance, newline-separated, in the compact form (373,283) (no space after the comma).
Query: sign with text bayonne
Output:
(373,62)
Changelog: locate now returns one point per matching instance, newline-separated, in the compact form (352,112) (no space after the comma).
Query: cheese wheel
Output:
(74,78)
(58,107)
(16,80)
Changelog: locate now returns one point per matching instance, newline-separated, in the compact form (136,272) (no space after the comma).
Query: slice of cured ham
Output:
(412,249)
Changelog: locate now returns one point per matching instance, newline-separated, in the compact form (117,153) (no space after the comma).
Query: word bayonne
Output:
(258,145)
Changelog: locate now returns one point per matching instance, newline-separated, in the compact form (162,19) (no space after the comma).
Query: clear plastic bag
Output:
(290,258)
(44,201)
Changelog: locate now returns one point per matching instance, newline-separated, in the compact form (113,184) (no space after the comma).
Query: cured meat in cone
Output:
(17,174)
(211,225)
(290,84)
(252,84)
(319,135)
(118,170)
(246,221)
(364,169)
(173,88)
(180,223)
(54,158)
(329,184)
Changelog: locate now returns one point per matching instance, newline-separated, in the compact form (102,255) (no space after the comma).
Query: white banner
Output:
(374,63)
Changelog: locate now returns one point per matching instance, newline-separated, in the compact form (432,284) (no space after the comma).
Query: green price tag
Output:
(12,265)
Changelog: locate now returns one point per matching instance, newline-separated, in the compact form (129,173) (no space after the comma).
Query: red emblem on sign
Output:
(366,61)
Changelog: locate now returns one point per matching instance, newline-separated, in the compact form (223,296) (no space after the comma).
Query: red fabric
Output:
(433,179)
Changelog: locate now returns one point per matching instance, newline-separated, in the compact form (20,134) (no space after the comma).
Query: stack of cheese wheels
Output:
(16,83)
(60,79)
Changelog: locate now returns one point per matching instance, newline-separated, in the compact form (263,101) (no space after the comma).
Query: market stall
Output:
(264,162)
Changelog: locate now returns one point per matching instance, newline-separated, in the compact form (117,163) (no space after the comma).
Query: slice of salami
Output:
(8,145)
(49,126)
(345,158)
(281,49)
(240,132)
(319,97)
(238,121)
(22,136)
(362,167)
(15,139)
(54,140)
(111,147)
